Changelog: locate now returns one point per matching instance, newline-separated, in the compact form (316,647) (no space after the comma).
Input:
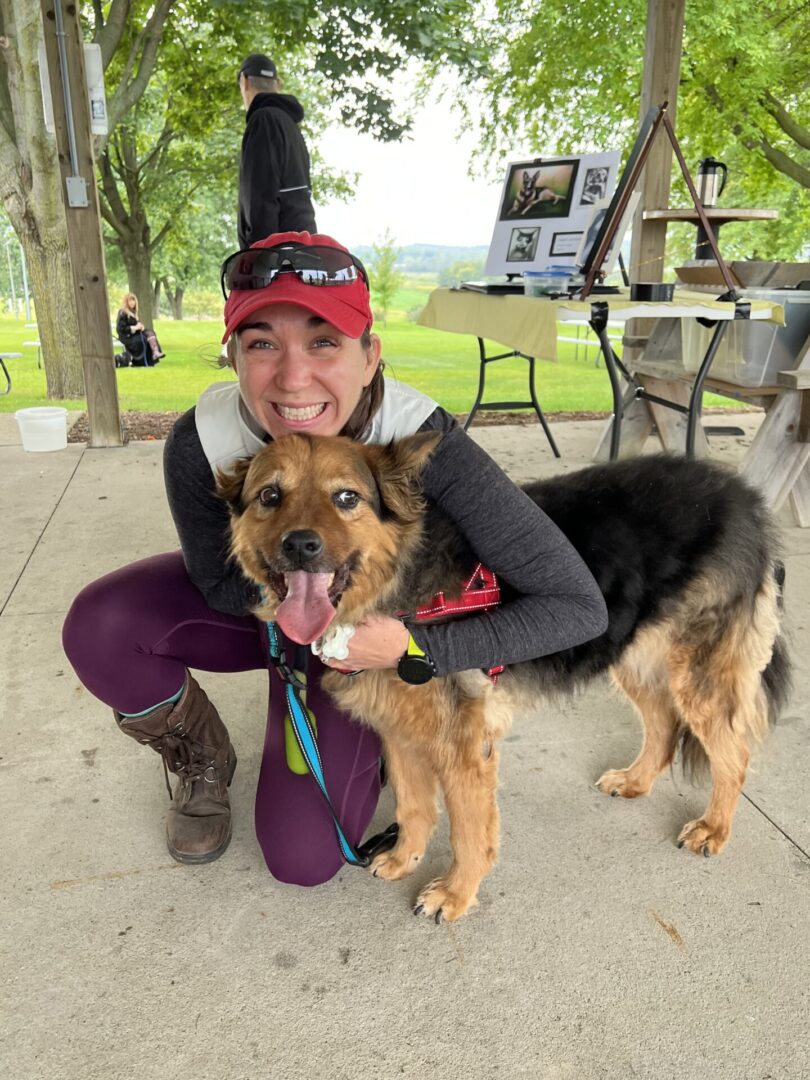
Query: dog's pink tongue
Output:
(306,610)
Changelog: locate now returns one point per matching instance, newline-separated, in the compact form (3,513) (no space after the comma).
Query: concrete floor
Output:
(599,950)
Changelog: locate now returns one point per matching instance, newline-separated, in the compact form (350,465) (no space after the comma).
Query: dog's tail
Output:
(776,680)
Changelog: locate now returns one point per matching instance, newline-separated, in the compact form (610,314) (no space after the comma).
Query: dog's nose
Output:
(301,546)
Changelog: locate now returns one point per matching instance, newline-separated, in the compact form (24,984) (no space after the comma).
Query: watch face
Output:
(415,669)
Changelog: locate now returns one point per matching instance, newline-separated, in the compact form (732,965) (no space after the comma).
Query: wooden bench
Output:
(778,460)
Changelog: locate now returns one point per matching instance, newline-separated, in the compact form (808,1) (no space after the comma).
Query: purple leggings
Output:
(130,637)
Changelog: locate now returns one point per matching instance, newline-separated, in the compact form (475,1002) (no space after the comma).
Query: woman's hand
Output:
(378,642)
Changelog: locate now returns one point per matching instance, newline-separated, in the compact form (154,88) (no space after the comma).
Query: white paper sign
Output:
(93,77)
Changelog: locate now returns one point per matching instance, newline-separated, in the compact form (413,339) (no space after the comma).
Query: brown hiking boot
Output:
(195,746)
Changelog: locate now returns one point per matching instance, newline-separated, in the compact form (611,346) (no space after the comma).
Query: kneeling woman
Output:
(298,332)
(133,335)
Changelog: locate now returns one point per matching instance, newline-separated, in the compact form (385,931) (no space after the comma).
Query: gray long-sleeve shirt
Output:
(554,601)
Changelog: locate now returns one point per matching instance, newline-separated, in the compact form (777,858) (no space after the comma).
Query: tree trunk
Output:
(52,286)
(43,236)
(138,261)
(30,188)
(175,298)
(156,298)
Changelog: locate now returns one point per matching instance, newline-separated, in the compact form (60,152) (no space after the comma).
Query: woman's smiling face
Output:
(298,373)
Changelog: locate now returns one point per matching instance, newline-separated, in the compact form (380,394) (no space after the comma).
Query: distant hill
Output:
(429,258)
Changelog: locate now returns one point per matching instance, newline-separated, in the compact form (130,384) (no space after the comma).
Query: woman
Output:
(133,335)
(298,332)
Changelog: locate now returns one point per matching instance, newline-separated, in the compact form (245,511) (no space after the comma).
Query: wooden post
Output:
(77,165)
(662,69)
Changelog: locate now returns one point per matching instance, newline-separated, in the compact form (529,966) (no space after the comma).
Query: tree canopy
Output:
(183,133)
(564,77)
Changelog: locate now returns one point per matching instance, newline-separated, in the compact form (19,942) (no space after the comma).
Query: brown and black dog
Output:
(532,193)
(685,557)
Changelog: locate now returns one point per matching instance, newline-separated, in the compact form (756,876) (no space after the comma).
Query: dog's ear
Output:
(410,454)
(396,469)
(230,483)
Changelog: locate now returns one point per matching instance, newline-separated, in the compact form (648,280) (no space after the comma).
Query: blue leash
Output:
(305,737)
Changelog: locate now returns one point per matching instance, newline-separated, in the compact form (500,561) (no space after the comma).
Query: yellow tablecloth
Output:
(529,324)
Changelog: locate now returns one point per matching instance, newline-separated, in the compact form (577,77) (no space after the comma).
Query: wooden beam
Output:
(662,69)
(77,164)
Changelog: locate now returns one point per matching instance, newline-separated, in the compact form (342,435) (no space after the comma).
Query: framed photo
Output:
(523,244)
(539,190)
(565,243)
(594,185)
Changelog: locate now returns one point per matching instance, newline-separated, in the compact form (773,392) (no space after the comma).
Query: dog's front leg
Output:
(469,780)
(414,783)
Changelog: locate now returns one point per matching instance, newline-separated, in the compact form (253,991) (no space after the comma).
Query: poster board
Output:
(545,208)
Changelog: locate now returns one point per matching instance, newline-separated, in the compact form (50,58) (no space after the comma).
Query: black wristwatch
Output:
(415,666)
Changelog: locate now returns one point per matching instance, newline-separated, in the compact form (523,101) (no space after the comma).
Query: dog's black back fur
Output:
(645,528)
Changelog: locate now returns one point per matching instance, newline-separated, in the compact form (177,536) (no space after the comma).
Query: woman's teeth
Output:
(308,412)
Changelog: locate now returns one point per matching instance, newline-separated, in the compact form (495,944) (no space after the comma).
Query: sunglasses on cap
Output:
(256,268)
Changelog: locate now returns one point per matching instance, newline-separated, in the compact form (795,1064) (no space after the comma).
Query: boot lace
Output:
(181,755)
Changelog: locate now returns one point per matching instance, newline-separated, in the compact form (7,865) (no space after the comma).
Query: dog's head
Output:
(324,524)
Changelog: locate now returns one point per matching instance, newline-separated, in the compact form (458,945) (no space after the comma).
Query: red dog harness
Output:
(480,592)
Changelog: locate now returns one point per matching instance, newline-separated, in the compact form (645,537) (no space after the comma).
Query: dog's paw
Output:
(440,902)
(702,838)
(617,782)
(396,863)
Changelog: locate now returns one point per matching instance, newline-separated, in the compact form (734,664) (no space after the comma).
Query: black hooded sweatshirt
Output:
(274,185)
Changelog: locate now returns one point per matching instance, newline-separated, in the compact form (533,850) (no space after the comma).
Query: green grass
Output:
(442,365)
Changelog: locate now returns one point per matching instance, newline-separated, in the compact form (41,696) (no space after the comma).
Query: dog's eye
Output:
(346,500)
(270,496)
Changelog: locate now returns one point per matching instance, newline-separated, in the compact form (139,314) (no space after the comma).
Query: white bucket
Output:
(42,428)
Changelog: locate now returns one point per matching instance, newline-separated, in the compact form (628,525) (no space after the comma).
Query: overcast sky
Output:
(418,188)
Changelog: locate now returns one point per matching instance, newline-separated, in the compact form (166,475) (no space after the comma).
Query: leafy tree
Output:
(356,51)
(464,270)
(194,248)
(153,162)
(30,182)
(384,278)
(564,78)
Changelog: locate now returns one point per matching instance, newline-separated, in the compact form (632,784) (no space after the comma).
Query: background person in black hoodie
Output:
(274,186)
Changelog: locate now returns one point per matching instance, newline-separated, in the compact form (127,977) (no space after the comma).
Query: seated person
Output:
(129,329)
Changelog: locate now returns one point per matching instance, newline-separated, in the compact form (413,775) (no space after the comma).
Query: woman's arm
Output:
(201,519)
(558,605)
(122,327)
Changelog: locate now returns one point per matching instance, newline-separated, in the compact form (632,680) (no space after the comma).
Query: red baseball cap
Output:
(348,307)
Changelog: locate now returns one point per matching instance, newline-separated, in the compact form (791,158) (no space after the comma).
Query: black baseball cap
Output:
(258,64)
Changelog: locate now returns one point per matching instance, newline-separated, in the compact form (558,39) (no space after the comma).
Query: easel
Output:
(656,118)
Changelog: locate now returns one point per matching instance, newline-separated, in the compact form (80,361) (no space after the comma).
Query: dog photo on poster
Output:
(546,206)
